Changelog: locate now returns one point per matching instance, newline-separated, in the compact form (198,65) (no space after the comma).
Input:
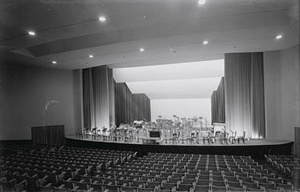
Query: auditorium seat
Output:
(202,188)
(153,184)
(285,187)
(255,190)
(218,188)
(184,187)
(97,187)
(231,179)
(168,186)
(251,185)
(82,187)
(112,188)
(187,181)
(145,190)
(218,183)
(234,184)
(68,167)
(13,183)
(268,185)
(59,190)
(234,189)
(128,189)
(217,177)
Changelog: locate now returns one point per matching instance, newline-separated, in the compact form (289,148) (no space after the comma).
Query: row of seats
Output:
(285,164)
(173,168)
(35,168)
(43,168)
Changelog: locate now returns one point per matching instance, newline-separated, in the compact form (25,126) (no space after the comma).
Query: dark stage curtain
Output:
(123,104)
(218,104)
(130,107)
(98,97)
(141,104)
(214,107)
(244,94)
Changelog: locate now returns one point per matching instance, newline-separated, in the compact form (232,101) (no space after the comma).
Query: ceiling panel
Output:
(195,70)
(68,30)
(176,89)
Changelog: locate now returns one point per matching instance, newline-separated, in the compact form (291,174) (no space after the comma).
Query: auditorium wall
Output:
(282,95)
(24,93)
(181,107)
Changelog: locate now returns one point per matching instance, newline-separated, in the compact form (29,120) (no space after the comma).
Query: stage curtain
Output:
(123,104)
(214,111)
(221,101)
(218,104)
(130,107)
(141,104)
(97,93)
(244,94)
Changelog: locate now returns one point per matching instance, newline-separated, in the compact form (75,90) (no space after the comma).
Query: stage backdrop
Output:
(244,94)
(181,107)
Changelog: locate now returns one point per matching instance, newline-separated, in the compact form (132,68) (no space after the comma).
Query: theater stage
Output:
(254,147)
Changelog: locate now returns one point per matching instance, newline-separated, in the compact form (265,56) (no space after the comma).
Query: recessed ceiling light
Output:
(205,42)
(31,33)
(141,49)
(201,2)
(279,36)
(91,56)
(54,62)
(102,18)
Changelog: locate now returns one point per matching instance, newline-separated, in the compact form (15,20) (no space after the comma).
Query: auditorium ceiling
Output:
(169,31)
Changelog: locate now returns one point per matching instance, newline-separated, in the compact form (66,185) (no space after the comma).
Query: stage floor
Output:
(184,142)
(256,148)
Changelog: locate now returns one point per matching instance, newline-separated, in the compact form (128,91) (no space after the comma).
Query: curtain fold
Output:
(97,95)
(130,107)
(218,104)
(244,94)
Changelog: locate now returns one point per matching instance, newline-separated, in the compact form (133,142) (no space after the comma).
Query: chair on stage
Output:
(87,132)
(241,138)
(99,133)
(94,133)
(232,138)
(210,138)
(192,139)
(104,133)
(224,138)
(174,138)
(79,133)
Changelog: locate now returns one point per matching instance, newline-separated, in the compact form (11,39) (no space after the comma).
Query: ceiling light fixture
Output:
(141,49)
(102,18)
(278,37)
(54,62)
(91,56)
(31,33)
(205,42)
(201,2)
